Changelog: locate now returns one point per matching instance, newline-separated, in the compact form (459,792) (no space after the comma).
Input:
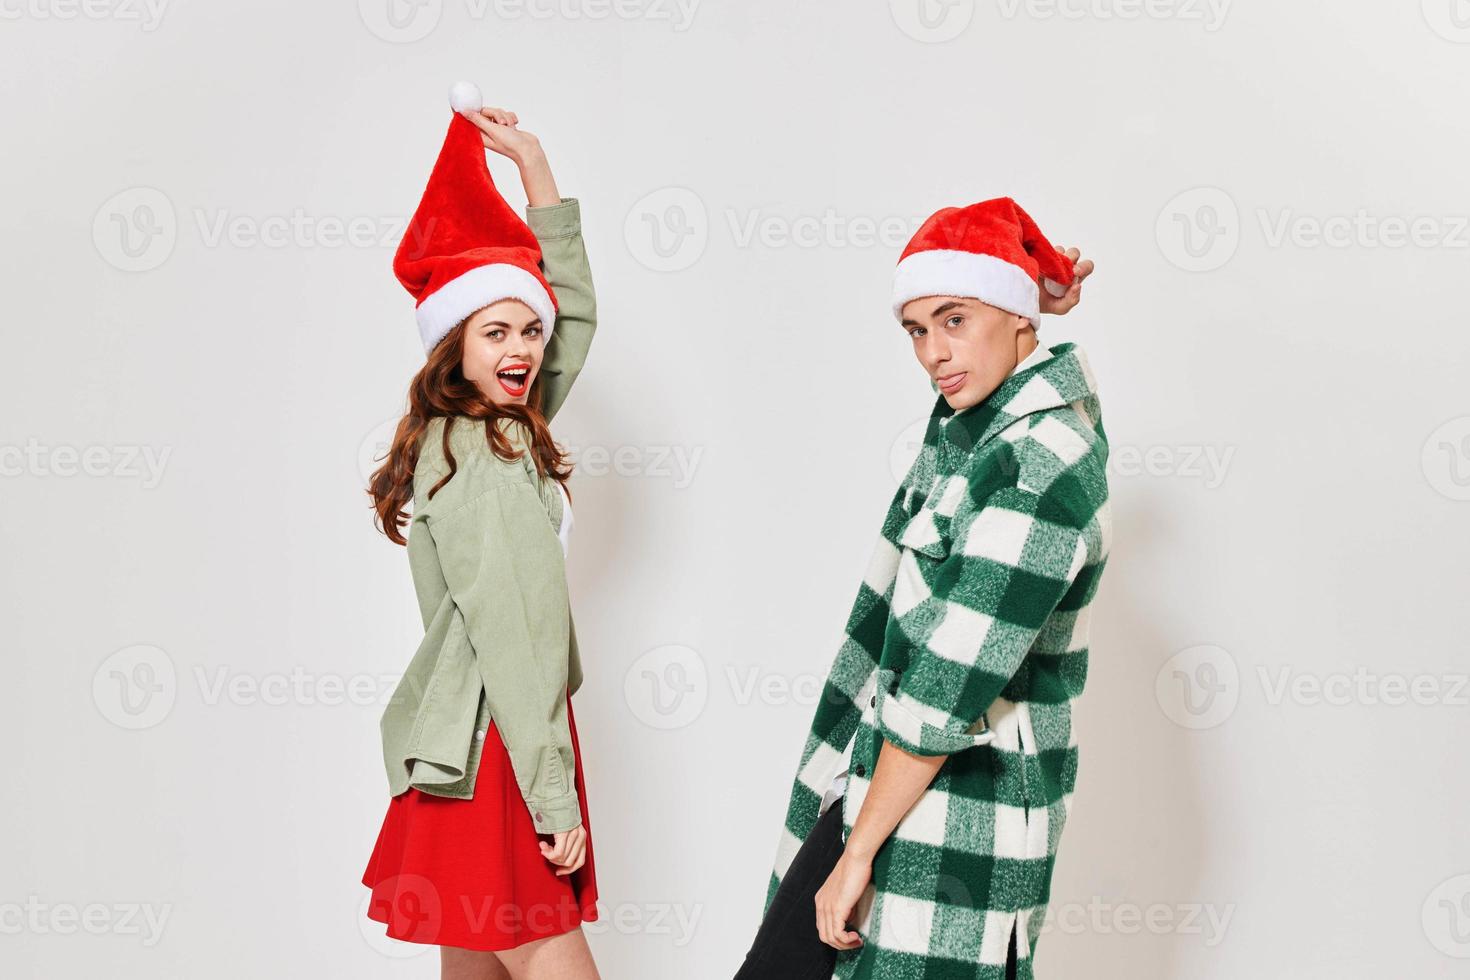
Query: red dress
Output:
(469,873)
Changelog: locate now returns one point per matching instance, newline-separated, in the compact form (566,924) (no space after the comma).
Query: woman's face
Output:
(967,347)
(503,347)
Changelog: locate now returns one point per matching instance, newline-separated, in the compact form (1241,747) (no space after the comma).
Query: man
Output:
(932,855)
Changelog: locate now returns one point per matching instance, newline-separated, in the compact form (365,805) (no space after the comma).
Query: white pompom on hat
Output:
(465,97)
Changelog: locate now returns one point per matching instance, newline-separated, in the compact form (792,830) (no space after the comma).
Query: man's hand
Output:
(1063,304)
(899,779)
(838,897)
(569,852)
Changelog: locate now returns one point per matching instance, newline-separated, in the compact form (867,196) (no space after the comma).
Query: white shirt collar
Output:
(1041,353)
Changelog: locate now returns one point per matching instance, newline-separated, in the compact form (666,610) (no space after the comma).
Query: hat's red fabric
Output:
(991,251)
(465,248)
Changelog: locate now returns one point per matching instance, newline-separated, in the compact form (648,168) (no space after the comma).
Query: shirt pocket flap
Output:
(922,534)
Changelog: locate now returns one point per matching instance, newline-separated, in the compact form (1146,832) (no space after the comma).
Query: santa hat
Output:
(991,251)
(465,247)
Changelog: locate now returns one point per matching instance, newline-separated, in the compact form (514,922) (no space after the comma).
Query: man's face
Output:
(967,347)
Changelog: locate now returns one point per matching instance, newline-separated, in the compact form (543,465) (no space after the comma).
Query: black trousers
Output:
(786,945)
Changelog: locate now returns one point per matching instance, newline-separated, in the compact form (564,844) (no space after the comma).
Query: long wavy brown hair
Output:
(440,390)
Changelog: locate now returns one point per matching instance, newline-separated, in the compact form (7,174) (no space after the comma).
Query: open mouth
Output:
(514,379)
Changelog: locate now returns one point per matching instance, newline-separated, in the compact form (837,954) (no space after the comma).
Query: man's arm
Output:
(899,779)
(969,623)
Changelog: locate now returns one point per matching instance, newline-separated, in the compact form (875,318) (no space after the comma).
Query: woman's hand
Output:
(1073,296)
(500,131)
(838,897)
(569,850)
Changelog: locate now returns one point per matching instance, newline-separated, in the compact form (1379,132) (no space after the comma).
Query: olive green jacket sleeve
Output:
(564,259)
(502,564)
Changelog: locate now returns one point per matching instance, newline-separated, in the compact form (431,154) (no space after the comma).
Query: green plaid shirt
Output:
(968,639)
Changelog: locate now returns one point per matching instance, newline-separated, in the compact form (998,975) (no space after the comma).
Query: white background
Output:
(1273,727)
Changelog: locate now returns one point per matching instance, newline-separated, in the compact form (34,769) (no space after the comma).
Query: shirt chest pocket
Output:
(930,530)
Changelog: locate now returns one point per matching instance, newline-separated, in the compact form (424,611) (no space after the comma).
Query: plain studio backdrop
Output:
(205,347)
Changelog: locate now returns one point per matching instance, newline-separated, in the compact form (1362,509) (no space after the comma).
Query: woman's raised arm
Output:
(557,224)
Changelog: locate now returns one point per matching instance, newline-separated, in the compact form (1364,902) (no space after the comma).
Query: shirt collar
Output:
(1039,354)
(1046,378)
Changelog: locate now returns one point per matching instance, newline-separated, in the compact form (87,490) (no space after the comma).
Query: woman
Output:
(485,849)
(938,771)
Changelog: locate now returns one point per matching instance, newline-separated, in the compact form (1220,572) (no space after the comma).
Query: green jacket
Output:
(488,571)
(969,639)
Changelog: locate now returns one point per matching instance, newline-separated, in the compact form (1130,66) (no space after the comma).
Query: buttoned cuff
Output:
(555,813)
(556,220)
(918,728)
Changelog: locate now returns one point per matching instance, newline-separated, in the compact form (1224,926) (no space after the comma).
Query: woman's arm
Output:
(559,230)
(500,131)
(502,564)
(536,175)
(557,224)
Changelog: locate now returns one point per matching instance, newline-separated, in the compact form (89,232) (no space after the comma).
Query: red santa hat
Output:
(991,251)
(465,248)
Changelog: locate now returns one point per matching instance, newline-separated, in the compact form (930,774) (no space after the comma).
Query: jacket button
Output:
(873,701)
(860,770)
(480,736)
(539,818)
